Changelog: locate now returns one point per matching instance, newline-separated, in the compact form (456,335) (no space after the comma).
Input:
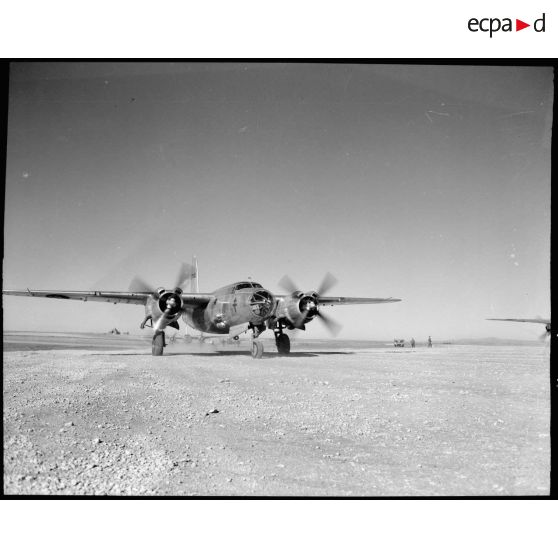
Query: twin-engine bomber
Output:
(230,310)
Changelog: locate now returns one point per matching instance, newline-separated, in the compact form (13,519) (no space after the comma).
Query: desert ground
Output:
(98,415)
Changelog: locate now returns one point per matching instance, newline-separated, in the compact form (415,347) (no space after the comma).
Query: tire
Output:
(257,349)
(158,344)
(283,344)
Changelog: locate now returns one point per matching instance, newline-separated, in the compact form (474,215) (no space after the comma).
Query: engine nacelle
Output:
(300,308)
(164,308)
(170,302)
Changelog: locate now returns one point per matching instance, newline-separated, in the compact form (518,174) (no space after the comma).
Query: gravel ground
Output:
(329,420)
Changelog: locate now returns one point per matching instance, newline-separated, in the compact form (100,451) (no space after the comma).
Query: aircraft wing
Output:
(531,321)
(196,299)
(338,300)
(97,296)
(116,297)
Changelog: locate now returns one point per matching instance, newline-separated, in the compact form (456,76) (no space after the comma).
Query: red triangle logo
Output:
(519,25)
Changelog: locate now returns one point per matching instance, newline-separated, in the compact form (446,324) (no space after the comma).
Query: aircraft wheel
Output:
(158,343)
(257,349)
(283,344)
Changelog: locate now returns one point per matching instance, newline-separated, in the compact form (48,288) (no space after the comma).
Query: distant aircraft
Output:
(527,320)
(233,309)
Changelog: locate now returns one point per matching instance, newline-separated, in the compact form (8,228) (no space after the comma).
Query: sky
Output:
(425,183)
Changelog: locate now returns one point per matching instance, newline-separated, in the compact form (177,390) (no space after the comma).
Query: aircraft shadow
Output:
(301,354)
(294,354)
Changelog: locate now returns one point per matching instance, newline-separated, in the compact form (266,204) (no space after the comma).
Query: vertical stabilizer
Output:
(194,288)
(194,279)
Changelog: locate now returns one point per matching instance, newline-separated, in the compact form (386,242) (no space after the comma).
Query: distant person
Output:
(412,342)
(429,341)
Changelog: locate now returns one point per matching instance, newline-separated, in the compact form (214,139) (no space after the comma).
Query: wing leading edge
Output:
(115,297)
(340,300)
(98,296)
(531,321)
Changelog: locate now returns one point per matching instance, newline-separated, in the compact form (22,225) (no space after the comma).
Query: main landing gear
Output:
(282,341)
(283,344)
(144,323)
(158,343)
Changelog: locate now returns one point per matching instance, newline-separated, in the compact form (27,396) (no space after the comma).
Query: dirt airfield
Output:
(98,415)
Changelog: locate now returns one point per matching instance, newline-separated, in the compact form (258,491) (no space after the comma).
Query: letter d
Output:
(535,25)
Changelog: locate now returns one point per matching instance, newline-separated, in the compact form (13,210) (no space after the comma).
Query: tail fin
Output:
(194,288)
(194,279)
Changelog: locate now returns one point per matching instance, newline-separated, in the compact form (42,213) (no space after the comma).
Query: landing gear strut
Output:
(282,341)
(158,343)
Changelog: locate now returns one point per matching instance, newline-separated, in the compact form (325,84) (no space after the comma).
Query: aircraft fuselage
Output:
(230,309)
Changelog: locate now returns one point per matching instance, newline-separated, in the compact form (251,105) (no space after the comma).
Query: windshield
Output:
(247,286)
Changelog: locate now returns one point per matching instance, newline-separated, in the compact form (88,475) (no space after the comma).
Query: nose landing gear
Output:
(257,349)
(257,345)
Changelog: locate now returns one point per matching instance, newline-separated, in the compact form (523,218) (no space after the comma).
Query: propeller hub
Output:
(308,305)
(170,302)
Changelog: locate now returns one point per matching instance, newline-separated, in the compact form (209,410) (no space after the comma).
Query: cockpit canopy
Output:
(234,287)
(247,285)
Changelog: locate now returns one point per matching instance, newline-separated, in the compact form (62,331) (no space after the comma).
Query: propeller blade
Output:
(332,326)
(288,284)
(185,272)
(164,318)
(302,318)
(140,285)
(327,283)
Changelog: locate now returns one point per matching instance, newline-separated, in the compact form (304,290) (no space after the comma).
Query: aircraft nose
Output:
(261,303)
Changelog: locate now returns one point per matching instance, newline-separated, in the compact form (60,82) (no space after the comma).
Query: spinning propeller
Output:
(309,302)
(546,334)
(169,301)
(185,272)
